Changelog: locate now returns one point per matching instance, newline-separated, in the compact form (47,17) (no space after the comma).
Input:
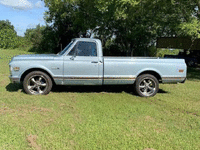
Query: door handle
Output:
(94,62)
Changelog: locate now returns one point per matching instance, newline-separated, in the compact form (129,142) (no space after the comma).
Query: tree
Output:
(35,35)
(136,24)
(133,25)
(8,36)
(60,19)
(6,24)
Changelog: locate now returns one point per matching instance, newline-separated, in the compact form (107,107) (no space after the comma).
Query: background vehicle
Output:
(190,59)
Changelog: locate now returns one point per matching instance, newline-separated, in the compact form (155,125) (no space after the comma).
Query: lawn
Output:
(91,118)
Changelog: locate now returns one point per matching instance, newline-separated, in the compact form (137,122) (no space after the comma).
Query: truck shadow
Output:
(14,87)
(98,89)
(89,89)
(82,89)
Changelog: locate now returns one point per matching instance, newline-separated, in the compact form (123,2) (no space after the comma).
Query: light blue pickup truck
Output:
(82,63)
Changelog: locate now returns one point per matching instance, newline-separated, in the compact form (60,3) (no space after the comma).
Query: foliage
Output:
(60,19)
(43,39)
(163,52)
(35,36)
(6,24)
(135,25)
(8,36)
(191,29)
(23,43)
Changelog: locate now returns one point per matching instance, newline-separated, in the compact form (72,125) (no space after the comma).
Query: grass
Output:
(99,117)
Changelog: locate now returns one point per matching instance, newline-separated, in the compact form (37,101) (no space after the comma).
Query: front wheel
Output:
(37,83)
(146,85)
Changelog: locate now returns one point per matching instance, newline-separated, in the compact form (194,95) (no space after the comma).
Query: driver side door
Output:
(81,65)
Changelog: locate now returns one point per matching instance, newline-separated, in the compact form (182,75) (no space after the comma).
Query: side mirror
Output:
(72,58)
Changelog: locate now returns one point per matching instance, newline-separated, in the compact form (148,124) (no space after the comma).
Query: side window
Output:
(71,53)
(84,49)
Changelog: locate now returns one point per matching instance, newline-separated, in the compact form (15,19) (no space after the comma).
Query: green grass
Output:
(99,117)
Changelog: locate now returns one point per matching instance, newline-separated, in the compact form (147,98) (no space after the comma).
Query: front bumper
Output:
(14,79)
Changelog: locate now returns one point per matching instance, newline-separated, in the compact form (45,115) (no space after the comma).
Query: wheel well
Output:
(152,73)
(35,69)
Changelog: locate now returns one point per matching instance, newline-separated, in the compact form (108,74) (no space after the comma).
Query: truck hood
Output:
(35,57)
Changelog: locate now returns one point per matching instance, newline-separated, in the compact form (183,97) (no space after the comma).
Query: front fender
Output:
(35,67)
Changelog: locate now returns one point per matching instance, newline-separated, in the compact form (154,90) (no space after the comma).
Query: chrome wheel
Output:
(147,87)
(37,84)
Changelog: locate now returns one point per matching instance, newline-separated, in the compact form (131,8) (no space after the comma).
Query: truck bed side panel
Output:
(124,70)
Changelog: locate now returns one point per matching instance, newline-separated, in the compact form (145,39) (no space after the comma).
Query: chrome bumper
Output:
(14,80)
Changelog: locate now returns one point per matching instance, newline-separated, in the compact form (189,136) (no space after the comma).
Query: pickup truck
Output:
(82,63)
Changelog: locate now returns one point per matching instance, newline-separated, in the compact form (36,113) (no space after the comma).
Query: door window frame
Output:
(74,44)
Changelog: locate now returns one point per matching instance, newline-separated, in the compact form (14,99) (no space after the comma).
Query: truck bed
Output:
(124,70)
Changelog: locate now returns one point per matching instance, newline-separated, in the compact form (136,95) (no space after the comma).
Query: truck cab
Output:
(83,62)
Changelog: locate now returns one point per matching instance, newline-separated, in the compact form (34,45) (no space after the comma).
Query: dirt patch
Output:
(72,143)
(73,110)
(6,110)
(62,104)
(32,141)
(149,149)
(24,111)
(49,121)
(159,130)
(73,129)
(40,109)
(134,132)
(3,82)
(149,118)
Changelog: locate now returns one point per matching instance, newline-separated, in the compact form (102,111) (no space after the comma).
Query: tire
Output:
(146,85)
(37,83)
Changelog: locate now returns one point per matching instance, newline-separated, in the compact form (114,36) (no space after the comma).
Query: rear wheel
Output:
(146,85)
(37,83)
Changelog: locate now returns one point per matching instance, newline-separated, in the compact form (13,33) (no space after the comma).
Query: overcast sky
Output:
(22,14)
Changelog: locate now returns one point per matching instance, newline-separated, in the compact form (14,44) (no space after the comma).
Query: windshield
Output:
(66,48)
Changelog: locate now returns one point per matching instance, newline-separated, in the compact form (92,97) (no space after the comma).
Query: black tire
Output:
(146,85)
(37,83)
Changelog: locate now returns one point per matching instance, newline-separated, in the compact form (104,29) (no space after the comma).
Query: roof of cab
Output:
(87,39)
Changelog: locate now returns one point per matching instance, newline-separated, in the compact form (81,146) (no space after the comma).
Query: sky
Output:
(23,14)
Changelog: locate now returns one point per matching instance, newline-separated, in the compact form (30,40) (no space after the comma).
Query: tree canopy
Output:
(131,25)
(8,36)
(128,27)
